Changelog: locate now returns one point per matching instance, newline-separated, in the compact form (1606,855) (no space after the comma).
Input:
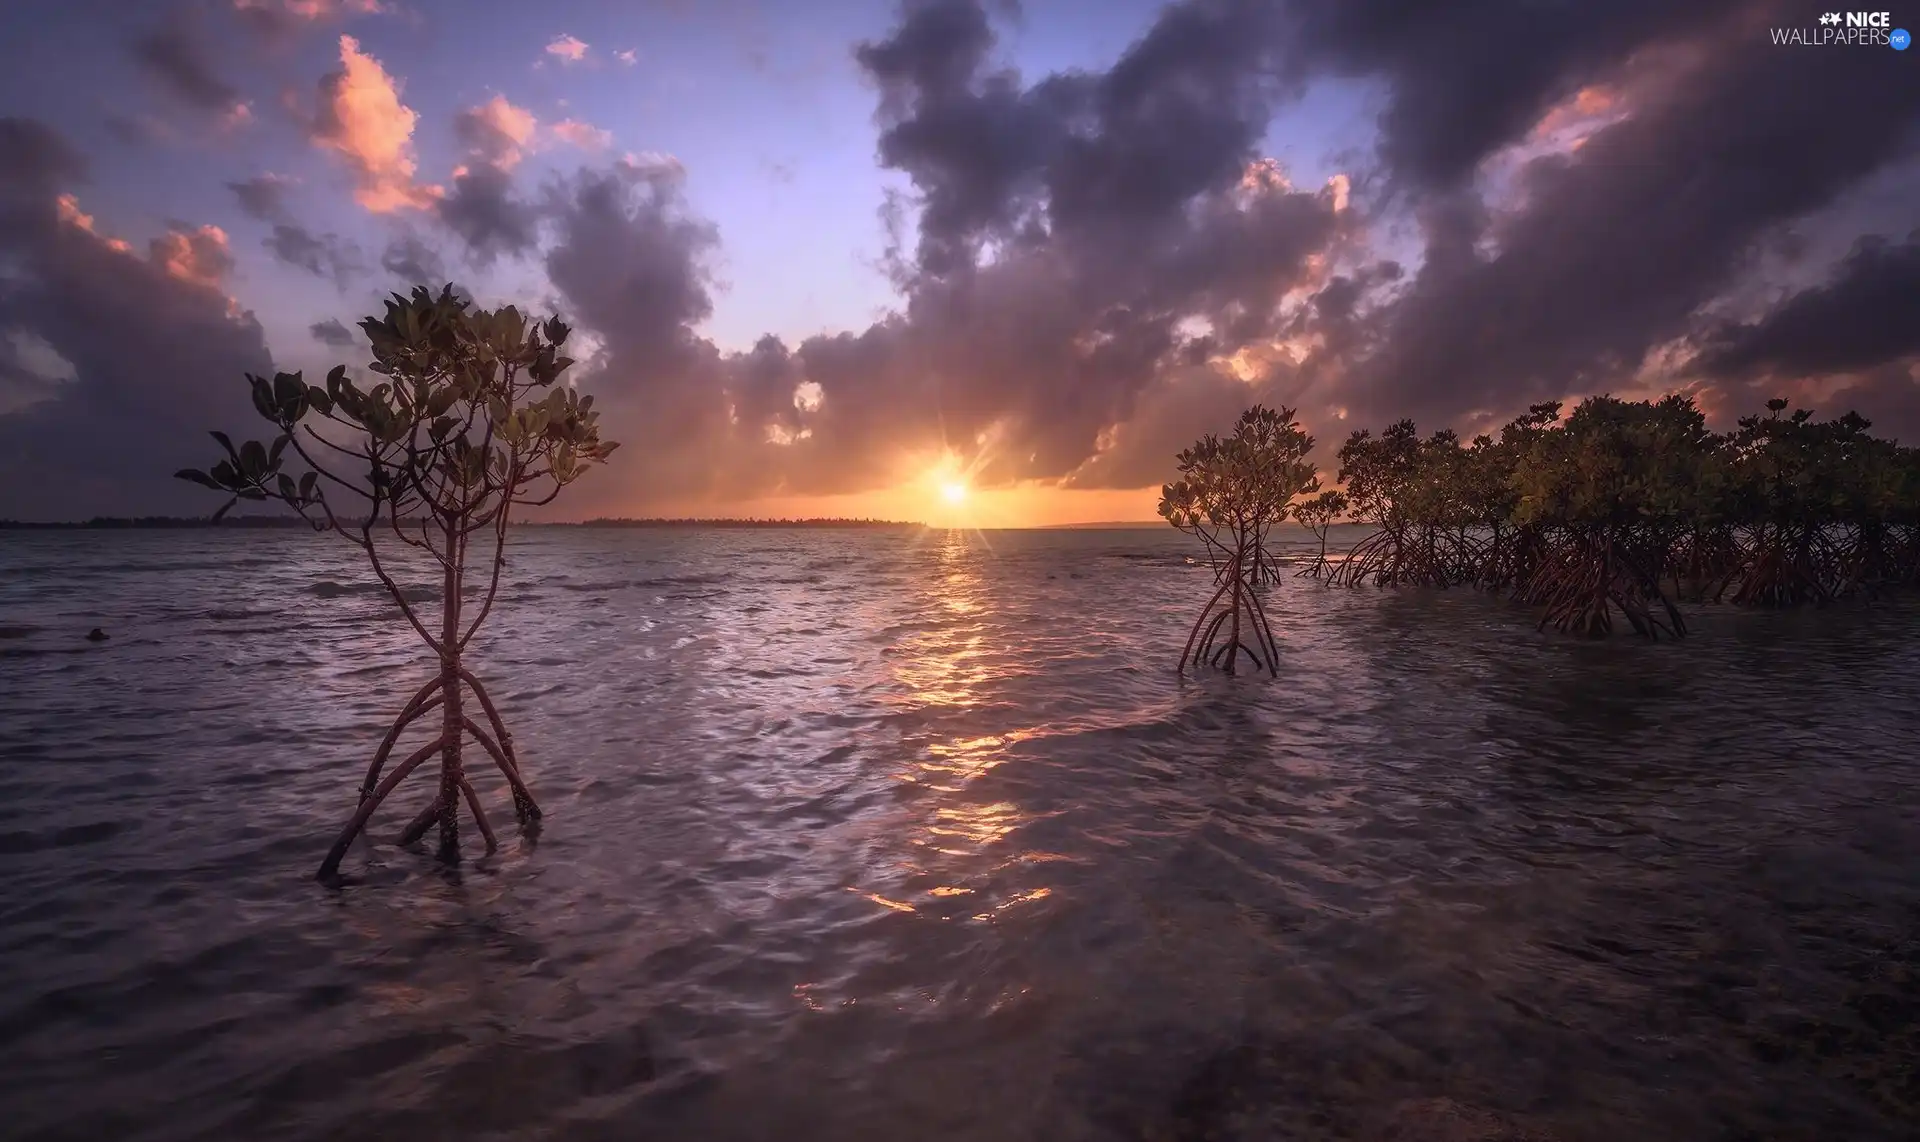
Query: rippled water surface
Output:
(917,836)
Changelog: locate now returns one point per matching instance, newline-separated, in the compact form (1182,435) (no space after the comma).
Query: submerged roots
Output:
(1586,580)
(1408,557)
(1234,610)
(443,694)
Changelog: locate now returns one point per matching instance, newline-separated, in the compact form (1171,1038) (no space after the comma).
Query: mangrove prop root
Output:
(1243,618)
(523,801)
(1585,581)
(521,796)
(1263,630)
(418,828)
(479,814)
(1408,556)
(1188,653)
(441,694)
(427,699)
(331,866)
(1782,571)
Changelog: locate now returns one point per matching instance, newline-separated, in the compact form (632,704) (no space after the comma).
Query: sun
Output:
(953,491)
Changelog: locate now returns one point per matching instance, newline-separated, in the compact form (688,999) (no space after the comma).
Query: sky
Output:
(963,261)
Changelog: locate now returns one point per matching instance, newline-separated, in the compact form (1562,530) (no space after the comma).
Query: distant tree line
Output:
(812,521)
(1615,513)
(294,521)
(154,521)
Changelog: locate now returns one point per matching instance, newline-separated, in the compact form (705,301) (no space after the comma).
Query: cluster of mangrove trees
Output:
(1613,513)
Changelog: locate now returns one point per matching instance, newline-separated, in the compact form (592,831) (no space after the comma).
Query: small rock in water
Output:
(96,635)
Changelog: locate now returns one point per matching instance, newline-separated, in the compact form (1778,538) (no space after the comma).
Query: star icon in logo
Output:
(1830,18)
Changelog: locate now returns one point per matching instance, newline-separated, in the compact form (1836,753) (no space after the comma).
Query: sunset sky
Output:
(957,260)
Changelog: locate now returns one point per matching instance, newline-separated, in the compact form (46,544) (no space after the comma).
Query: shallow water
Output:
(917,836)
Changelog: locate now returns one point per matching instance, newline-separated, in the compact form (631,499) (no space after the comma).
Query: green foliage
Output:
(1246,481)
(1597,514)
(1490,496)
(1379,473)
(1615,463)
(1230,493)
(1322,511)
(1793,470)
(470,421)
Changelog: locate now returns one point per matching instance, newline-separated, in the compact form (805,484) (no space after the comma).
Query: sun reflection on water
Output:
(949,670)
(946,663)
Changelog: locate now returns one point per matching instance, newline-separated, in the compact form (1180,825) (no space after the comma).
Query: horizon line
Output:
(247,522)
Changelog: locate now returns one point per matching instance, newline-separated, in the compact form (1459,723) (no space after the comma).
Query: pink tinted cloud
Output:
(311,11)
(362,119)
(201,256)
(628,57)
(586,136)
(71,215)
(497,132)
(567,49)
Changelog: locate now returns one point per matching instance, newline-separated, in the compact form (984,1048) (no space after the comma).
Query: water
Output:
(916,836)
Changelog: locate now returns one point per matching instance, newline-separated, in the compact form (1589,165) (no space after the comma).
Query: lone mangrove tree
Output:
(1230,494)
(470,425)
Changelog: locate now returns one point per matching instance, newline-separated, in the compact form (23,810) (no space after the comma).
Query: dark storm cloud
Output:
(35,164)
(632,260)
(322,255)
(1867,315)
(1619,243)
(332,333)
(1068,228)
(174,57)
(1465,79)
(488,218)
(1888,395)
(410,262)
(1073,230)
(141,399)
(629,262)
(1084,157)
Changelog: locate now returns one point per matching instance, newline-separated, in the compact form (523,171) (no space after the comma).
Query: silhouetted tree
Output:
(1411,491)
(1610,487)
(1318,515)
(1230,494)
(471,425)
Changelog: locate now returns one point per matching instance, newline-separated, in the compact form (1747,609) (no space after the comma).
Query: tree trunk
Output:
(1233,638)
(452,775)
